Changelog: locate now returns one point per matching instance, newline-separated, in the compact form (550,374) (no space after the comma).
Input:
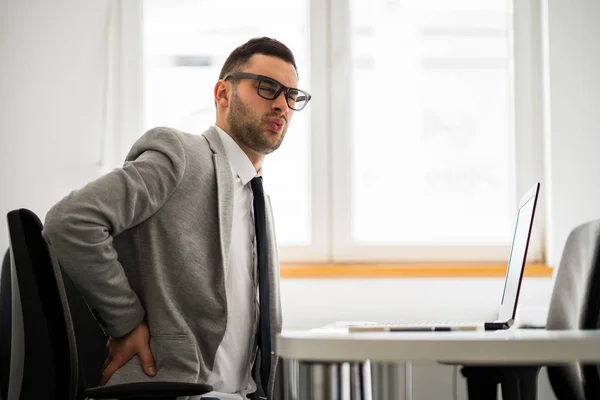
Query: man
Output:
(175,252)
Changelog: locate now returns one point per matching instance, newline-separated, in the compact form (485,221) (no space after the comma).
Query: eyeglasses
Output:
(270,89)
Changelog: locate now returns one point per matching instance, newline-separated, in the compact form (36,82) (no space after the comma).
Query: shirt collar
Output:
(238,160)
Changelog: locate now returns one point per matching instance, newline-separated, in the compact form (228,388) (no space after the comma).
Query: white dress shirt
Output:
(231,377)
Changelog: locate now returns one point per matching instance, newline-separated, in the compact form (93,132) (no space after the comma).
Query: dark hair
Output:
(263,45)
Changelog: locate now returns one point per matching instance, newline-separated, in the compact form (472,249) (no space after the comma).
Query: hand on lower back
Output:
(123,349)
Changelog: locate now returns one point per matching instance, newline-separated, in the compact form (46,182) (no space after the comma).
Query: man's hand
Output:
(121,350)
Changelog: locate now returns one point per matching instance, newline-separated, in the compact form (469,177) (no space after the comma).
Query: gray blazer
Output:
(151,241)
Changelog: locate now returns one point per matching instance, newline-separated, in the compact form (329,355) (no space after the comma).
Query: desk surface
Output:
(499,347)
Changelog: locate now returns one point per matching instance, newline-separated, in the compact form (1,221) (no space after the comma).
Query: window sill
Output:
(378,271)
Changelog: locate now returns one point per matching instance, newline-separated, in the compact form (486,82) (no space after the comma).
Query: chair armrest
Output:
(147,390)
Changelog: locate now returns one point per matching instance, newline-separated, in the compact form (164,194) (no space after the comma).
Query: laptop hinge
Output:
(498,325)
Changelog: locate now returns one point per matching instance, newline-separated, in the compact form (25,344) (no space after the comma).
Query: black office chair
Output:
(5,331)
(38,333)
(575,304)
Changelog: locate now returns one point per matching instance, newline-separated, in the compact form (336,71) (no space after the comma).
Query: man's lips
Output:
(276,124)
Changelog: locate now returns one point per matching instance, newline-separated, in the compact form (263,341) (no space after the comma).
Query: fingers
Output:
(106,362)
(114,361)
(112,364)
(122,349)
(147,360)
(108,372)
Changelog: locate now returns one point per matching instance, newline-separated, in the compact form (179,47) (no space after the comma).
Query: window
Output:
(430,122)
(428,131)
(185,45)
(410,148)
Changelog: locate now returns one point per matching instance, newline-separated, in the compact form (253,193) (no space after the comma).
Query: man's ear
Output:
(222,93)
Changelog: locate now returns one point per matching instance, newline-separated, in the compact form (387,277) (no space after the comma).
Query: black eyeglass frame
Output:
(282,87)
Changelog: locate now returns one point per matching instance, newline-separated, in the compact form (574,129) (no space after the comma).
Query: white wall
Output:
(573,118)
(310,303)
(52,63)
(52,67)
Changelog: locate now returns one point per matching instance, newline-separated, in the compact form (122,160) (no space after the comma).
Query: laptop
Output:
(512,283)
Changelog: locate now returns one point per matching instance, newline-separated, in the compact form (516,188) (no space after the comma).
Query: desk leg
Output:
(519,383)
(482,382)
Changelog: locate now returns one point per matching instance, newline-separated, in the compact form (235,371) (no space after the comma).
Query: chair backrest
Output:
(91,340)
(575,304)
(43,362)
(5,326)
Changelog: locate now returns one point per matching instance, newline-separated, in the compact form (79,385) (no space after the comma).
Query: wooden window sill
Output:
(378,271)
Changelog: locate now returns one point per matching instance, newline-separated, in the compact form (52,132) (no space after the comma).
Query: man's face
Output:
(255,122)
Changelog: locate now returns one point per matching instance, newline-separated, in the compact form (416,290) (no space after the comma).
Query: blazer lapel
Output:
(224,192)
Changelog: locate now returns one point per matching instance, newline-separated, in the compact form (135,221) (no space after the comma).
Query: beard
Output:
(249,128)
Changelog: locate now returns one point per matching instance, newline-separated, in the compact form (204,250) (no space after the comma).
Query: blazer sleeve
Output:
(81,227)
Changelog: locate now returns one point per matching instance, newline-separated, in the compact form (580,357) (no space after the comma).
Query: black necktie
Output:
(262,250)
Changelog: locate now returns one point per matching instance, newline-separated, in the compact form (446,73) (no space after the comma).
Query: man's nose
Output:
(280,104)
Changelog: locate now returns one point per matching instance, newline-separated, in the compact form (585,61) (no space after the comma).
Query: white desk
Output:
(499,347)
(510,347)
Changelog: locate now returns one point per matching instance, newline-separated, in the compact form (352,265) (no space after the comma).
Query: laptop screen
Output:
(518,254)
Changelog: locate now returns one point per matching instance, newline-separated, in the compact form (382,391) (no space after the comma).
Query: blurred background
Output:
(429,120)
